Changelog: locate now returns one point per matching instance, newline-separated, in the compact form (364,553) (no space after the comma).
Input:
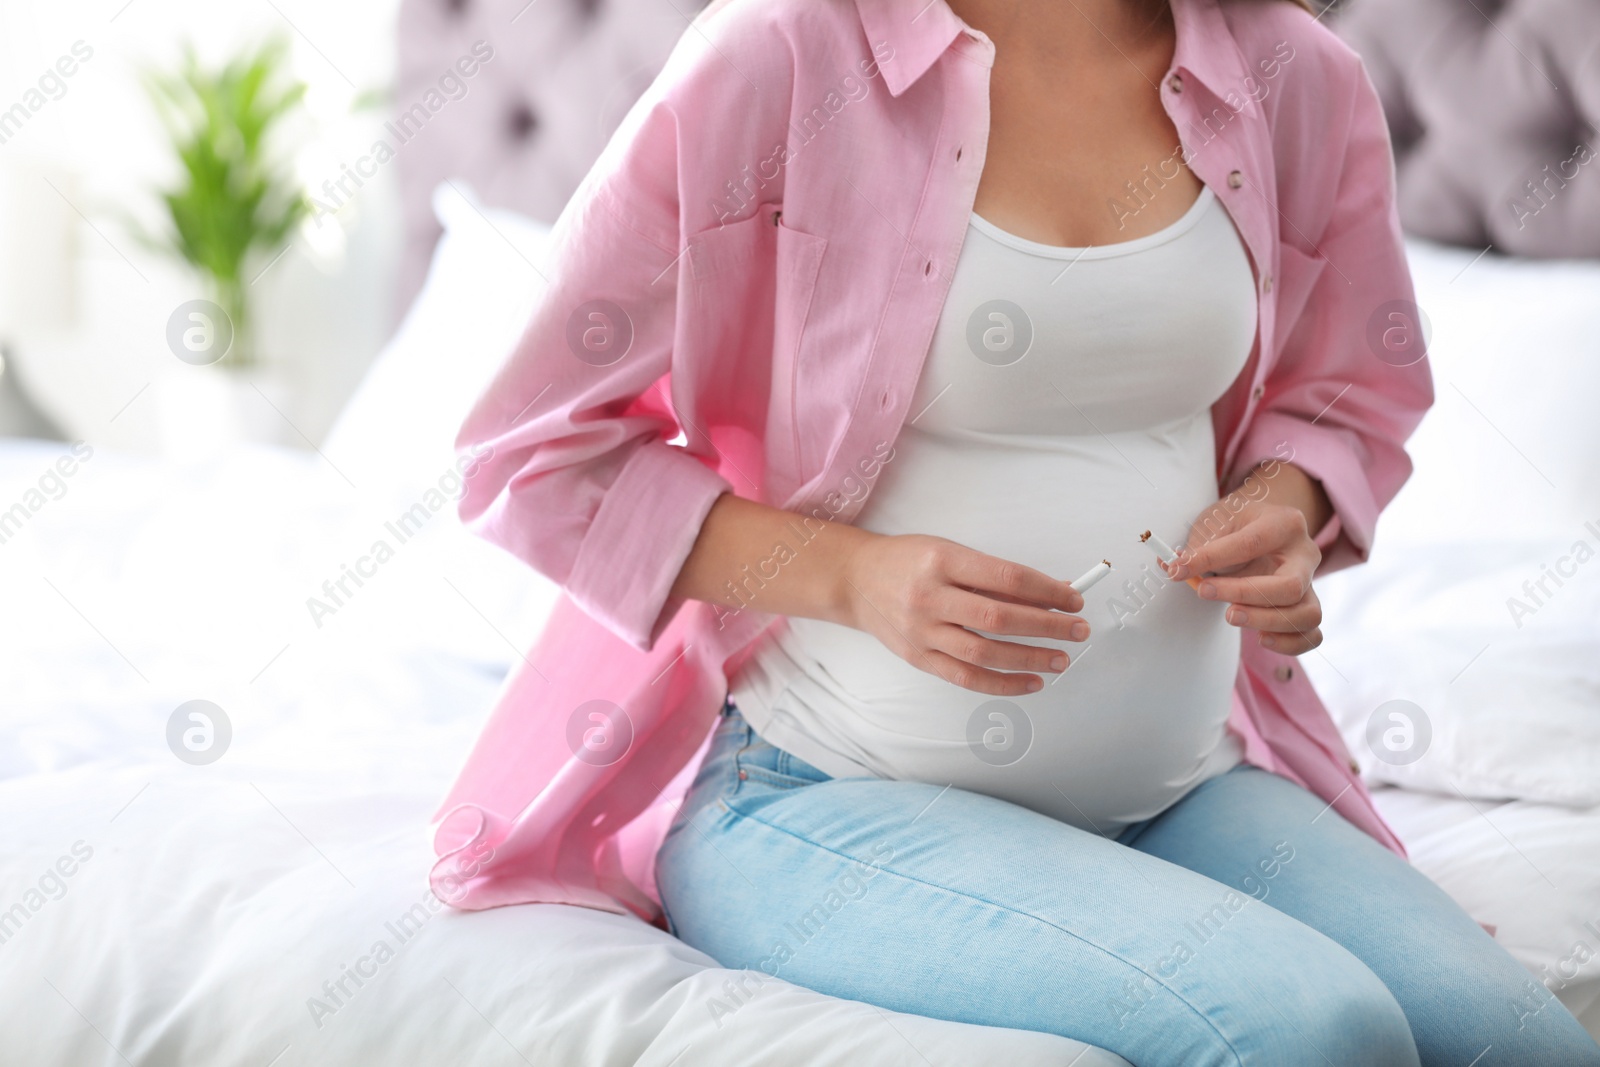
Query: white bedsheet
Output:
(216,918)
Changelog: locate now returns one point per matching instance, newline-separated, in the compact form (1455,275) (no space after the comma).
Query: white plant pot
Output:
(211,409)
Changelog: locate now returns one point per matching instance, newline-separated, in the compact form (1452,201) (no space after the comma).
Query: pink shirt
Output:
(758,260)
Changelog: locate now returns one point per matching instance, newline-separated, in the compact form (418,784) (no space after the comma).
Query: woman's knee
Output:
(1361,1019)
(1261,990)
(1315,1003)
(1521,1020)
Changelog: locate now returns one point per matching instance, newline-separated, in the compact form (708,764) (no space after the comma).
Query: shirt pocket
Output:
(753,285)
(799,266)
(1298,273)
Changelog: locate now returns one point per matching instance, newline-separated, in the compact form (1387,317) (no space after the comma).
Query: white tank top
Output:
(1063,409)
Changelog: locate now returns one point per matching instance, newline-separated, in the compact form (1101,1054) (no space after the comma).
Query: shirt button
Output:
(1266,284)
(1284,673)
(1355,768)
(1235,179)
(1175,83)
(1258,392)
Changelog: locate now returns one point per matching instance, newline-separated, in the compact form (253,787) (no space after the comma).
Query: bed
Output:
(220,761)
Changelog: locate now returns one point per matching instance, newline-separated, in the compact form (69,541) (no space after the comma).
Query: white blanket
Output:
(265,917)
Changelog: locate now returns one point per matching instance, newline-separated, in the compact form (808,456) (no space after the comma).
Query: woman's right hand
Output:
(925,597)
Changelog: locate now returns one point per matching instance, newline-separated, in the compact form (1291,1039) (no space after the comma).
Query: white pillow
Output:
(395,438)
(1500,711)
(1507,483)
(399,427)
(1511,447)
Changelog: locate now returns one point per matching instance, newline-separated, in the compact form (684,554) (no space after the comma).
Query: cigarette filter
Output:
(1165,554)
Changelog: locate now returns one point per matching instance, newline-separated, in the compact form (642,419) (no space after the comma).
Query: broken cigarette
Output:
(1089,577)
(1165,554)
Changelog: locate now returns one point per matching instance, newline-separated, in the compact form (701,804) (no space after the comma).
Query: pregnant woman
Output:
(876,323)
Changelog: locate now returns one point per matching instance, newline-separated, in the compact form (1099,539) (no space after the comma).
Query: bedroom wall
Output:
(83,304)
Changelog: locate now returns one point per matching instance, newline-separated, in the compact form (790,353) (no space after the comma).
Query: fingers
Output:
(1292,644)
(996,596)
(978,611)
(1280,604)
(933,654)
(1273,530)
(1290,629)
(941,601)
(968,675)
(989,653)
(990,574)
(1294,619)
(1288,586)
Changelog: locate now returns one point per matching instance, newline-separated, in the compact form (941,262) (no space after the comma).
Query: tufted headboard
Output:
(1493,106)
(530,119)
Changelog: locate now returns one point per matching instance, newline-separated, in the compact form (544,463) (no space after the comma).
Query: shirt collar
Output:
(1206,48)
(919,31)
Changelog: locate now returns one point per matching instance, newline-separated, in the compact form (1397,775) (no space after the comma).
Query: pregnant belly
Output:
(1136,721)
(1140,715)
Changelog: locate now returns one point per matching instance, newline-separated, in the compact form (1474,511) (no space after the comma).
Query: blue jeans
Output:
(1246,924)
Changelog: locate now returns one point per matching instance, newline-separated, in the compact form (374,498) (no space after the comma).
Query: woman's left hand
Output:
(1257,555)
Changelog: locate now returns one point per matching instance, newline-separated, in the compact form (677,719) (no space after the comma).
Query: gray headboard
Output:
(1483,96)
(528,123)
(1493,106)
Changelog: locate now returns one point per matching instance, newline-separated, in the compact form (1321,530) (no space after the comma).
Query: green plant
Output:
(232,202)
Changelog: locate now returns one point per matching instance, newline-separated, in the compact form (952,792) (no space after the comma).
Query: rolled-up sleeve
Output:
(573,470)
(1349,385)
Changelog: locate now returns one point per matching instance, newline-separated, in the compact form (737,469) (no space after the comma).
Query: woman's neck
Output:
(1064,31)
